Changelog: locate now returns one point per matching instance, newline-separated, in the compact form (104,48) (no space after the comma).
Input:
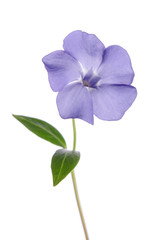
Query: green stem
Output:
(75,185)
(74,134)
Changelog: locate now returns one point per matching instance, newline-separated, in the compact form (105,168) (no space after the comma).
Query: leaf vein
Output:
(61,166)
(45,129)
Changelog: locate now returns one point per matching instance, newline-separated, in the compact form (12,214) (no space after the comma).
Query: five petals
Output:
(84,54)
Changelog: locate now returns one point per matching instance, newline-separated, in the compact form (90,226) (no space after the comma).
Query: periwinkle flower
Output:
(91,79)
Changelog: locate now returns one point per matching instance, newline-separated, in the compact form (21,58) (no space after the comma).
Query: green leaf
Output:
(42,129)
(63,162)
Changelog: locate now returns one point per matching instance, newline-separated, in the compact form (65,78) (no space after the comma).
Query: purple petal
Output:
(111,101)
(116,66)
(74,101)
(62,69)
(86,48)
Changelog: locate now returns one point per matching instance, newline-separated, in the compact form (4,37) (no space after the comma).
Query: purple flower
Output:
(91,79)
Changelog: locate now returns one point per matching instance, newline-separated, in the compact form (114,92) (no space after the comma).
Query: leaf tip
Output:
(54,183)
(15,116)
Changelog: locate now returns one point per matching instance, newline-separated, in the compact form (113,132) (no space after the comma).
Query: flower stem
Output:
(75,185)
(74,134)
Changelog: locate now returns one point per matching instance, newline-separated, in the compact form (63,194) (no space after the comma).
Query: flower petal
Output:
(74,101)
(86,48)
(110,102)
(116,66)
(62,69)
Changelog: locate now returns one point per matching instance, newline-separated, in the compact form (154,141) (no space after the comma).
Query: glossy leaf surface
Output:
(42,129)
(63,162)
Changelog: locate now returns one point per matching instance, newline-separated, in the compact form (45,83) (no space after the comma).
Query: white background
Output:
(118,173)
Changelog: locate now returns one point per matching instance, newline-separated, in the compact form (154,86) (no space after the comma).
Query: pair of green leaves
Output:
(63,161)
